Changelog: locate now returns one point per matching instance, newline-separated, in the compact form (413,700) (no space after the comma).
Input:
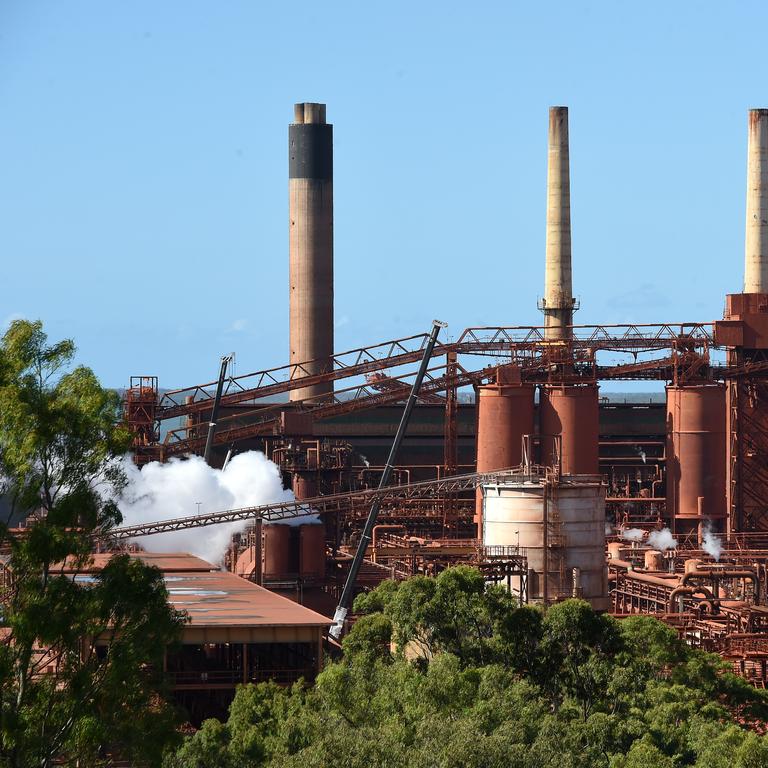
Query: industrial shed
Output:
(238,632)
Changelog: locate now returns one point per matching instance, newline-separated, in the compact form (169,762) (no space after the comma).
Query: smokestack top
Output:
(558,121)
(308,112)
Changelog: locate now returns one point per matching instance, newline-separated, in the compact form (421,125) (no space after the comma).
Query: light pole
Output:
(517,533)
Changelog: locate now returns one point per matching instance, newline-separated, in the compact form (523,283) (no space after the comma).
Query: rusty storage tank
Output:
(276,550)
(614,550)
(572,412)
(653,560)
(504,415)
(696,456)
(514,512)
(312,551)
(693,564)
(304,485)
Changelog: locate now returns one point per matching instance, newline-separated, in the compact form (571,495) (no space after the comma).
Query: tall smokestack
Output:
(310,185)
(558,301)
(756,242)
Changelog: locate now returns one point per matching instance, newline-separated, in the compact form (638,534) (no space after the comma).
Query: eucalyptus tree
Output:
(79,655)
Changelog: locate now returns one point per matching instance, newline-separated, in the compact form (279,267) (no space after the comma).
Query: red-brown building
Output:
(238,632)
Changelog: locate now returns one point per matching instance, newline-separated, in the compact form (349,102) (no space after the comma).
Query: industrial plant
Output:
(511,461)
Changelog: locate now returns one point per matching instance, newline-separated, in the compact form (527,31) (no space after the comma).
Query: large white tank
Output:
(513,515)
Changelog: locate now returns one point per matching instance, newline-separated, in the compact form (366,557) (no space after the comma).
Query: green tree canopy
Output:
(475,681)
(79,656)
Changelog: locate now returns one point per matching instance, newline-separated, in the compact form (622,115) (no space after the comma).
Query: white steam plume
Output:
(632,534)
(711,544)
(165,491)
(662,540)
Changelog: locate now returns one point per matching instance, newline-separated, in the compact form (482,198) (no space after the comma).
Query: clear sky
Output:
(143,166)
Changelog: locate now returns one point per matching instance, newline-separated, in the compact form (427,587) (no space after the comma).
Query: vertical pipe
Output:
(310,183)
(258,551)
(450,457)
(756,239)
(546,495)
(558,284)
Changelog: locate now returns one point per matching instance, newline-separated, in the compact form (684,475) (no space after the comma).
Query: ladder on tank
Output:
(556,544)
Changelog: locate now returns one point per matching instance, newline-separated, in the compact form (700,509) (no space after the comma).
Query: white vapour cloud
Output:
(632,534)
(711,544)
(662,540)
(165,491)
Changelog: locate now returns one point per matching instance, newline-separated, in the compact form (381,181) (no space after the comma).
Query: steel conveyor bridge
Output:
(290,510)
(633,350)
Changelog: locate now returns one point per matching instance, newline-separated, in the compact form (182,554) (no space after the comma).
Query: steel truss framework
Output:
(674,352)
(540,360)
(519,343)
(513,340)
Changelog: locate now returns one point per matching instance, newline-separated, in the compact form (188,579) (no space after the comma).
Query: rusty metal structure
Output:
(569,428)
(505,415)
(695,475)
(697,465)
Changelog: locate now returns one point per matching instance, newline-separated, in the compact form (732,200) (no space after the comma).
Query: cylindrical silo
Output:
(312,551)
(653,560)
(614,550)
(514,515)
(305,485)
(696,456)
(276,551)
(310,172)
(504,415)
(570,413)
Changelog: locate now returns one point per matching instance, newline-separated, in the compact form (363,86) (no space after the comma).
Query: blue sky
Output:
(143,166)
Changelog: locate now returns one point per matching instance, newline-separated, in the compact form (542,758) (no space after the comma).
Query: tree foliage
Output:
(451,673)
(79,654)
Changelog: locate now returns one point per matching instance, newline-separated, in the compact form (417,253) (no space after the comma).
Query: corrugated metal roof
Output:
(220,598)
(165,561)
(175,561)
(215,598)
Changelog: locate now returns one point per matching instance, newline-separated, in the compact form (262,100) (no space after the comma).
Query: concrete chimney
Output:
(756,241)
(558,303)
(310,185)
